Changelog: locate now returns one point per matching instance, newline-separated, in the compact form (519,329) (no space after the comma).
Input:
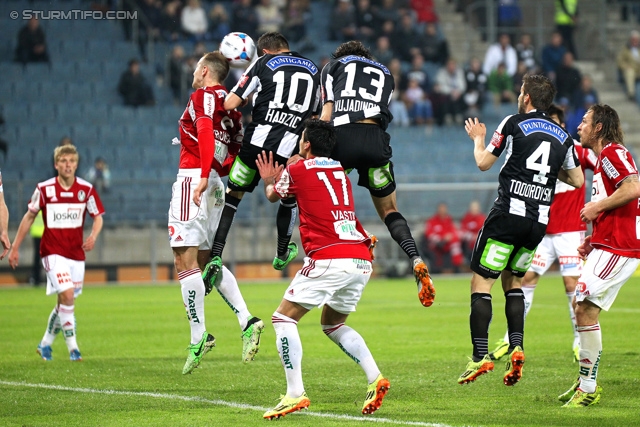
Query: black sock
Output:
(399,230)
(480,319)
(514,310)
(226,219)
(285,221)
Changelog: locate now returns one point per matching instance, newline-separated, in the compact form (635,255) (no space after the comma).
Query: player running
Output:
(209,141)
(64,201)
(538,152)
(356,91)
(565,232)
(336,269)
(285,88)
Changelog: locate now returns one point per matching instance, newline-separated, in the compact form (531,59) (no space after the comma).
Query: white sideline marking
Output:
(219,402)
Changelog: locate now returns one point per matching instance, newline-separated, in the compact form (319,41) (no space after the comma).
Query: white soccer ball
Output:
(238,48)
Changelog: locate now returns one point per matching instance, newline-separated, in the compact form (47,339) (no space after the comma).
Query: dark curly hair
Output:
(352,47)
(321,135)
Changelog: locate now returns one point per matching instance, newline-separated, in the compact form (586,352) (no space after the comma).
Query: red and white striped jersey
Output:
(207,103)
(63,212)
(564,215)
(616,230)
(329,228)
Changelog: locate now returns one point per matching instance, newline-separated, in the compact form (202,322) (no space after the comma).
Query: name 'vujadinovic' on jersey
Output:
(353,105)
(537,125)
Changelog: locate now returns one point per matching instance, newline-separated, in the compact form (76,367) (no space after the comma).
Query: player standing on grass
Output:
(612,252)
(335,271)
(538,153)
(356,91)
(285,87)
(565,232)
(64,201)
(209,138)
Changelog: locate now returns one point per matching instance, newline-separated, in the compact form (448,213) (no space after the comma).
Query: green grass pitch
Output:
(133,341)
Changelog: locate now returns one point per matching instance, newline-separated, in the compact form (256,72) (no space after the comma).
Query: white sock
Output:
(68,322)
(230,293)
(193,297)
(528,291)
(572,313)
(352,343)
(590,351)
(53,327)
(290,350)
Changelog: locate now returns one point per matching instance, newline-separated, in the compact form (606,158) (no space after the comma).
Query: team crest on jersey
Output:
(50,192)
(496,139)
(82,195)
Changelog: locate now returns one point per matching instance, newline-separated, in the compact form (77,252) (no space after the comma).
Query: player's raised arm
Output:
(477,131)
(269,173)
(233,101)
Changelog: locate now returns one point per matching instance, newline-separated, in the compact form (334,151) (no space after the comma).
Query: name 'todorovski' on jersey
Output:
(287,92)
(359,88)
(536,148)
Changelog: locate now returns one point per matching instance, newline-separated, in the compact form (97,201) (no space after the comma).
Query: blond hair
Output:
(63,150)
(217,64)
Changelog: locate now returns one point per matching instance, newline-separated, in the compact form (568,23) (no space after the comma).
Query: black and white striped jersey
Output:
(536,148)
(359,88)
(287,88)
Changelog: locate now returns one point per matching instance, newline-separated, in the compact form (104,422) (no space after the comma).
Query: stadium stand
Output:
(76,95)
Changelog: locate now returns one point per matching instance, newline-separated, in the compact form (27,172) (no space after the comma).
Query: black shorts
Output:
(506,242)
(244,175)
(365,147)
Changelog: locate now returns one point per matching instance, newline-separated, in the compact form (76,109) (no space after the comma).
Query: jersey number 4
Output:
(539,161)
(340,176)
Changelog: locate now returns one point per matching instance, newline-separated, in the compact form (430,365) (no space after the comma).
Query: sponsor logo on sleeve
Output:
(609,169)
(208,104)
(243,80)
(496,139)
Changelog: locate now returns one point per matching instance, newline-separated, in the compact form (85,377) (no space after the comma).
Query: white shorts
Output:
(337,283)
(564,248)
(190,225)
(62,274)
(602,277)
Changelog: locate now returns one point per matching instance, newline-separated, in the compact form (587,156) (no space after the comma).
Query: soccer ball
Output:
(238,48)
